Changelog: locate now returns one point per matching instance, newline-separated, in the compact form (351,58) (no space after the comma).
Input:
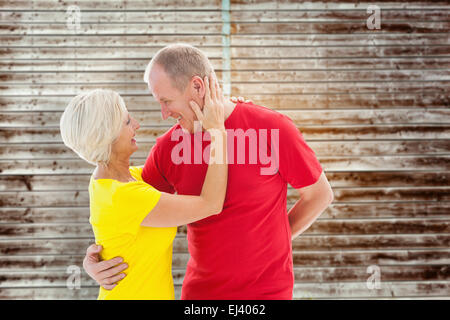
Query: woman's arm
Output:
(175,210)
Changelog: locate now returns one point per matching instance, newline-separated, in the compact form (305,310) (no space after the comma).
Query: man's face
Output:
(174,103)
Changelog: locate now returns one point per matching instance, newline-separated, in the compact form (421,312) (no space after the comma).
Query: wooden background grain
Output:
(373,104)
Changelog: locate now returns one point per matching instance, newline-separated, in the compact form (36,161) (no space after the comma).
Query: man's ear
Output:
(198,87)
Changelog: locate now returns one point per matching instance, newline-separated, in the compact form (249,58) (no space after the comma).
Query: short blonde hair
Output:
(91,123)
(181,62)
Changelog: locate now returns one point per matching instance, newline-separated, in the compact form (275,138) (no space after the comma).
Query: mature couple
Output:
(238,229)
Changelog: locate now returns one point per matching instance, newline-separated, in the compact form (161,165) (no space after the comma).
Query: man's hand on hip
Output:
(106,273)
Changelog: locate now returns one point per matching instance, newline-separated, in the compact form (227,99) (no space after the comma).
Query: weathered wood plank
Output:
(137,52)
(320,227)
(131,17)
(337,51)
(337,180)
(392,290)
(310,259)
(342,27)
(53,135)
(59,279)
(332,5)
(360,289)
(51,119)
(215,15)
(302,275)
(306,64)
(85,293)
(362,163)
(213,27)
(417,132)
(146,52)
(77,246)
(59,103)
(111,5)
(300,117)
(335,64)
(250,89)
(292,101)
(108,65)
(404,15)
(203,27)
(118,40)
(321,148)
(237,76)
(245,88)
(362,210)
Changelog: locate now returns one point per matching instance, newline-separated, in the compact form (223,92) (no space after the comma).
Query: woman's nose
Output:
(136,125)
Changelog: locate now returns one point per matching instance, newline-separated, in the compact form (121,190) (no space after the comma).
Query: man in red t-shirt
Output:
(244,252)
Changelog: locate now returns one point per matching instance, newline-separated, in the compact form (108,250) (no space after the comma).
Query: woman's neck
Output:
(117,169)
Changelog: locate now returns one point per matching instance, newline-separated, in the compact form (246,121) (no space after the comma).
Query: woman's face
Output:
(125,144)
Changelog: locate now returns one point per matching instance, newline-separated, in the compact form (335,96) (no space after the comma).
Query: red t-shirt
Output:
(245,252)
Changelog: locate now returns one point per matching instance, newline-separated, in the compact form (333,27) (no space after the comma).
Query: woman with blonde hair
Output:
(129,217)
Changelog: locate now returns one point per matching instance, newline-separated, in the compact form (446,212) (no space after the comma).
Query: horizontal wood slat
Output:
(237,64)
(362,163)
(292,101)
(311,259)
(24,17)
(55,5)
(320,227)
(146,52)
(362,210)
(336,180)
(300,117)
(321,148)
(238,76)
(356,132)
(302,275)
(310,242)
(392,290)
(246,88)
(242,40)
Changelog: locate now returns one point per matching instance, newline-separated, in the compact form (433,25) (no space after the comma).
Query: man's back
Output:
(245,251)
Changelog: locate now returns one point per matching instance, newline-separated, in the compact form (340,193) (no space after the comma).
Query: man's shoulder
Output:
(266,116)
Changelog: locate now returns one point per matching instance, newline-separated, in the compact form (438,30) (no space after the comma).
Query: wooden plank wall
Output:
(373,104)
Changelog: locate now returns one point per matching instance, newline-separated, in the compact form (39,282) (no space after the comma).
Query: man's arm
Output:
(314,199)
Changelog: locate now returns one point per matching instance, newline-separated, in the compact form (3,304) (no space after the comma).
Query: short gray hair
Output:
(181,62)
(91,123)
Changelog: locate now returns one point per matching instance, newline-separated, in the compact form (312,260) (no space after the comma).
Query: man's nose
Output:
(165,113)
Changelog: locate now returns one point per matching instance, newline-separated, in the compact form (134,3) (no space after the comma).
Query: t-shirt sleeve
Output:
(152,173)
(133,202)
(298,164)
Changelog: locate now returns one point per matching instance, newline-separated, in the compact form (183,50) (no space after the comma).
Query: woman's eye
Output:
(128,122)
